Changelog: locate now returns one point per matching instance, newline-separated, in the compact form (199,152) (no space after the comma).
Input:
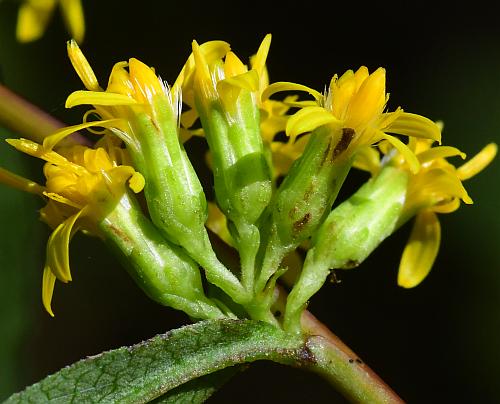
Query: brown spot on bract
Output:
(119,233)
(326,153)
(343,144)
(309,192)
(299,224)
(351,264)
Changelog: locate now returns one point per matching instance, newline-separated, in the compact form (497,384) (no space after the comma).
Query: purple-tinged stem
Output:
(29,121)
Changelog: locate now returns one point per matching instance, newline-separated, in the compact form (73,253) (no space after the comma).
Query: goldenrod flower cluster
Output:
(272,196)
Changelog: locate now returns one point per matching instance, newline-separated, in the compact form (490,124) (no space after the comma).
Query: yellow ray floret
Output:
(436,188)
(133,88)
(82,185)
(220,75)
(34,16)
(357,101)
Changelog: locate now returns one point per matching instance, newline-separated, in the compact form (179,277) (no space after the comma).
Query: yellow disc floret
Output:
(355,103)
(82,185)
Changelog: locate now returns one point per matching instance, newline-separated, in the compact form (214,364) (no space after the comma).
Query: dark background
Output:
(436,343)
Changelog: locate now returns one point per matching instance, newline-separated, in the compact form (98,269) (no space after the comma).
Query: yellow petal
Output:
(229,89)
(405,151)
(259,62)
(82,66)
(136,182)
(58,248)
(245,81)
(217,223)
(119,80)
(21,183)
(367,159)
(299,104)
(72,12)
(421,251)
(97,98)
(341,91)
(48,282)
(478,162)
(202,73)
(32,20)
(368,102)
(308,119)
(414,125)
(212,50)
(439,152)
(287,86)
(361,75)
(447,207)
(36,150)
(61,199)
(145,81)
(188,118)
(387,118)
(185,135)
(50,141)
(443,184)
(233,66)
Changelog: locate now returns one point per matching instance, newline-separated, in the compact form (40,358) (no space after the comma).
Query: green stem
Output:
(355,380)
(248,246)
(28,120)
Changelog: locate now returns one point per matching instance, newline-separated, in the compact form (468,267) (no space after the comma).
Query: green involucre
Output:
(349,235)
(163,270)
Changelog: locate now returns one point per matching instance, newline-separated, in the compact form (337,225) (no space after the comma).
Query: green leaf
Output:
(198,390)
(148,370)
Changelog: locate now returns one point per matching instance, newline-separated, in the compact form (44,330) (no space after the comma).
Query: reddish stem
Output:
(29,121)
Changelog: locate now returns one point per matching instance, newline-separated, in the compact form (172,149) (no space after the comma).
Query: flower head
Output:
(133,90)
(224,78)
(82,185)
(436,188)
(354,104)
(34,16)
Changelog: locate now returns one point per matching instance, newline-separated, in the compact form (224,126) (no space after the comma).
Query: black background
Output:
(435,343)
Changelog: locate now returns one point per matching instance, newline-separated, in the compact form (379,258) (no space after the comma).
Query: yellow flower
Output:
(274,118)
(34,16)
(223,80)
(221,75)
(355,103)
(82,186)
(133,88)
(435,188)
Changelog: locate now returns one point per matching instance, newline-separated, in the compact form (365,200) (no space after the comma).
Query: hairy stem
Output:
(334,360)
